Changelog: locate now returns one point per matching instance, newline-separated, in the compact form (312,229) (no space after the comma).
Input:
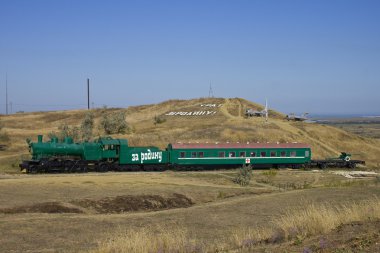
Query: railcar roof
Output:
(237,145)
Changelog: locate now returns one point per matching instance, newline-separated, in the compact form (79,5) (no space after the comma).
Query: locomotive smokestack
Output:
(88,93)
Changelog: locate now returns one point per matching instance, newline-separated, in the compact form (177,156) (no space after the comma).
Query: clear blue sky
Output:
(315,56)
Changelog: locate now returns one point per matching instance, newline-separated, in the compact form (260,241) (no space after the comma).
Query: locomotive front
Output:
(55,156)
(42,150)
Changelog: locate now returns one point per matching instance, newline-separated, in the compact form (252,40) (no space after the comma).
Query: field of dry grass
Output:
(190,210)
(293,226)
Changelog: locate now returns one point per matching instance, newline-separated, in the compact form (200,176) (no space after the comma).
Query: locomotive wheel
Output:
(32,169)
(103,168)
(68,166)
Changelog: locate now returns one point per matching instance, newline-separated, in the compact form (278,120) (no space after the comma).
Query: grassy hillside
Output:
(225,122)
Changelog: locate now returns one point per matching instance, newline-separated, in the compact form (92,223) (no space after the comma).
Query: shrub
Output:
(87,126)
(66,131)
(244,175)
(159,120)
(4,137)
(269,175)
(114,123)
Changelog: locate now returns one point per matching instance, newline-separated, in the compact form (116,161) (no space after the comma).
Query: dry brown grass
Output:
(151,239)
(293,225)
(310,219)
(321,218)
(220,208)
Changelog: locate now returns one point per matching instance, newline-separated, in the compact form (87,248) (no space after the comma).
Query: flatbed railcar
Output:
(108,154)
(343,161)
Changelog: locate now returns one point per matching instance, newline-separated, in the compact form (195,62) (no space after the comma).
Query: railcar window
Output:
(193,154)
(273,153)
(293,153)
(221,154)
(253,154)
(182,154)
(263,154)
(307,153)
(283,153)
(242,154)
(231,154)
(200,154)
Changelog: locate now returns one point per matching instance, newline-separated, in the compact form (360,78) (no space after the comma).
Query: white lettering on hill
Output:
(211,105)
(194,113)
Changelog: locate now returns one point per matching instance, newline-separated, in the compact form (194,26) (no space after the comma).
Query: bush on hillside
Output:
(159,119)
(4,137)
(244,175)
(114,123)
(66,131)
(87,126)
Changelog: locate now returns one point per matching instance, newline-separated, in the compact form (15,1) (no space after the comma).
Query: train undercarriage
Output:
(83,166)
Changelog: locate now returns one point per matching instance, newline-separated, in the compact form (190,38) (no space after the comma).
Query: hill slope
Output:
(196,120)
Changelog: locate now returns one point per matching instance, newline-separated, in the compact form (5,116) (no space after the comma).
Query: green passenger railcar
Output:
(235,154)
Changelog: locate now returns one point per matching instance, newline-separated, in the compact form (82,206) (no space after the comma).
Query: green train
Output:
(108,154)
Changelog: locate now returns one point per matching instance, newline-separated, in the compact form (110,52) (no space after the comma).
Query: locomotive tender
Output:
(106,154)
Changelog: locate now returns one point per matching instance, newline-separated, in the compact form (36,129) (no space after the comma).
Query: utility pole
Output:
(88,93)
(6,93)
(210,92)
